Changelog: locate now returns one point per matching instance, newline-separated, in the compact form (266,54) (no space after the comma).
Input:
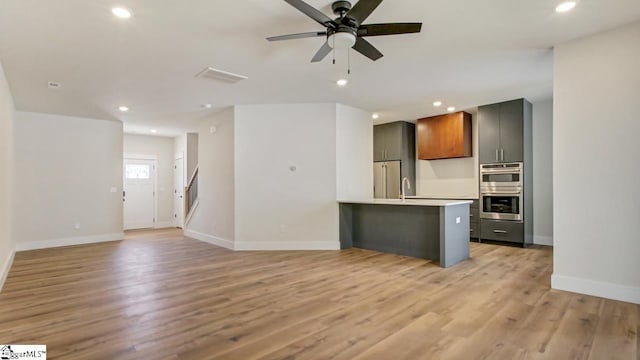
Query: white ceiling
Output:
(469,53)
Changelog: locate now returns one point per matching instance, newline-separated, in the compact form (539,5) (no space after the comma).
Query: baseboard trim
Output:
(214,240)
(596,288)
(286,245)
(80,240)
(543,240)
(164,225)
(6,268)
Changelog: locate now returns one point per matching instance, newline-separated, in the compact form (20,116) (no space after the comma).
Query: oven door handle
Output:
(499,231)
(500,171)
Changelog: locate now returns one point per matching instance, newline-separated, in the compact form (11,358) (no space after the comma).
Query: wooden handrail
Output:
(192,178)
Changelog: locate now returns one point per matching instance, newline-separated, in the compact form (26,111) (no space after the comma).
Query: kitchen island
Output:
(434,229)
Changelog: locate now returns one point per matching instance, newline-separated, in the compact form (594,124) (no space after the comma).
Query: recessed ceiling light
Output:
(451,109)
(207,106)
(154,131)
(121,12)
(54,85)
(566,6)
(437,103)
(123,108)
(375,116)
(342,82)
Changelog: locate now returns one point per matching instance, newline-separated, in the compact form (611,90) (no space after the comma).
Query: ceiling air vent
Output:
(215,74)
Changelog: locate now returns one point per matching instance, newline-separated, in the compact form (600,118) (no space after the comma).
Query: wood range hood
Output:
(444,136)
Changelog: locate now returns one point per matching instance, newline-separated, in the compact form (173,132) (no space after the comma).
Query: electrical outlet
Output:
(283,228)
(77,226)
(458,220)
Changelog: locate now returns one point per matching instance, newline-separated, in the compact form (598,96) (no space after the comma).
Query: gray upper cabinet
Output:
(501,132)
(489,133)
(378,143)
(390,141)
(511,131)
(396,141)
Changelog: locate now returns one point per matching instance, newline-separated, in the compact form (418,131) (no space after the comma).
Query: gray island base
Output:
(436,230)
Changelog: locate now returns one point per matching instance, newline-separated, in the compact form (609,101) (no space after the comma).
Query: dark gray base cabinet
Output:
(474,231)
(496,230)
(474,220)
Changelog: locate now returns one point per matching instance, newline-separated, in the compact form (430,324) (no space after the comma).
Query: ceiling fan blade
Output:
(298,36)
(322,53)
(365,48)
(313,13)
(362,9)
(389,29)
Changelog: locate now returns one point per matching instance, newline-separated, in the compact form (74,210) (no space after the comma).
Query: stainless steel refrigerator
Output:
(386,180)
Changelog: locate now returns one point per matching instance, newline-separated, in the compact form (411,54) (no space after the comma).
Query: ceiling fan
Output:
(347,31)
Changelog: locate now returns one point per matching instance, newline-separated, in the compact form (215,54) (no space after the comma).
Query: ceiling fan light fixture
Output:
(341,40)
(566,6)
(121,12)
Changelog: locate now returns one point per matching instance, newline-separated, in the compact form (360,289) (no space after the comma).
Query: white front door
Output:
(178,192)
(139,194)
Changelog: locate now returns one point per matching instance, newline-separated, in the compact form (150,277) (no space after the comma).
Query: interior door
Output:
(178,192)
(393,179)
(139,194)
(379,180)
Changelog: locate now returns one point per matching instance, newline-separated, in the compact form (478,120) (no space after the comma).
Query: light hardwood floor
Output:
(158,295)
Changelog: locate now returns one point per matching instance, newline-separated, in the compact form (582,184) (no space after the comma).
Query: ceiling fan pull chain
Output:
(348,61)
(334,51)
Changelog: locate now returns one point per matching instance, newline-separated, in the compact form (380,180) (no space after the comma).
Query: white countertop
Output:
(408,202)
(464,197)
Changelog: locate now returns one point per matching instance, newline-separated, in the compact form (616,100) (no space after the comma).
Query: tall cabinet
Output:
(395,144)
(505,136)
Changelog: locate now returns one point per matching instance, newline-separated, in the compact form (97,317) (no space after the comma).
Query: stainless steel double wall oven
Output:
(501,191)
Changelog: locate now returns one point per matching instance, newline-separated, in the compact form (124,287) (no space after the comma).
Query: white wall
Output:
(187,145)
(65,169)
(214,219)
(354,153)
(192,155)
(270,175)
(277,208)
(7,244)
(596,166)
(180,148)
(450,178)
(162,148)
(543,172)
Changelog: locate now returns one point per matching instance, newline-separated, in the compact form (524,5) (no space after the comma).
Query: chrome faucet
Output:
(403,196)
